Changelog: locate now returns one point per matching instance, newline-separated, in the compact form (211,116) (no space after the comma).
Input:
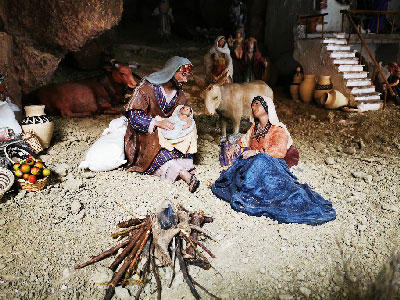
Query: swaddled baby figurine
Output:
(183,123)
(184,135)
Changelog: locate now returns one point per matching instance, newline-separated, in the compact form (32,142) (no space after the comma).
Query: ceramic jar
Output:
(306,88)
(294,87)
(323,86)
(334,99)
(39,122)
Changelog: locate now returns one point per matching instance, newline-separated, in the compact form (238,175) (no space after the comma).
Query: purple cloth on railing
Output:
(373,22)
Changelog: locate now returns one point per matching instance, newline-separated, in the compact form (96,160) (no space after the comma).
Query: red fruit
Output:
(39,164)
(30,161)
(35,170)
(25,168)
(25,176)
(32,178)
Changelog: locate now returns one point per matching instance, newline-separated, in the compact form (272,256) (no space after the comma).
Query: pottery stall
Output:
(39,122)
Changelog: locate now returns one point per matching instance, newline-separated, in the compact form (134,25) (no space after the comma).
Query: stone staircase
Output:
(358,86)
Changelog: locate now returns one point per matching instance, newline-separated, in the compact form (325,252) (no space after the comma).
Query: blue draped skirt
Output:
(264,186)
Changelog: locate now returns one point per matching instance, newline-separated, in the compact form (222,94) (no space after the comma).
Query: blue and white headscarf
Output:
(166,73)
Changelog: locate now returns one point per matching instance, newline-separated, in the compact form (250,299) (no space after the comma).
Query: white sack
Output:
(7,116)
(107,153)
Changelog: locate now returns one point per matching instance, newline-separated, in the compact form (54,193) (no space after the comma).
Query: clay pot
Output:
(39,122)
(306,88)
(323,86)
(334,99)
(294,87)
(294,91)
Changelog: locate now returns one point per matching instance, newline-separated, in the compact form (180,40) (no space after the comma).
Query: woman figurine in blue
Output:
(260,183)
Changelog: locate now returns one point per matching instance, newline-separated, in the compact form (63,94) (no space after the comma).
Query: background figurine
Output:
(164,13)
(254,65)
(236,45)
(218,63)
(393,80)
(238,14)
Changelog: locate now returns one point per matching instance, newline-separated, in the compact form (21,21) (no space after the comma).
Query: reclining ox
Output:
(232,101)
(88,96)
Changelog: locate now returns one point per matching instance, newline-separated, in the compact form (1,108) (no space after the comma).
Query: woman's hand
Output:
(231,152)
(165,124)
(249,153)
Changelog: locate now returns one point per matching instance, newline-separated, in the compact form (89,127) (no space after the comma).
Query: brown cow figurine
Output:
(86,97)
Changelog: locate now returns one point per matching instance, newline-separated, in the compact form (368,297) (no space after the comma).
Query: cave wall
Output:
(36,35)
(256,10)
(280,20)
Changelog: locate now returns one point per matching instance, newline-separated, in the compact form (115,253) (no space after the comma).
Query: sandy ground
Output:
(351,159)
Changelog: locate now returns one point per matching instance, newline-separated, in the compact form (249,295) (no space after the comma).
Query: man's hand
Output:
(165,124)
(249,153)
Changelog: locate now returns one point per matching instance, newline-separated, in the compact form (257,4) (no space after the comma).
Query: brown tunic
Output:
(141,148)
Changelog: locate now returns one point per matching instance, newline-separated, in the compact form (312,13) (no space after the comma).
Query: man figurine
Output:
(253,64)
(153,101)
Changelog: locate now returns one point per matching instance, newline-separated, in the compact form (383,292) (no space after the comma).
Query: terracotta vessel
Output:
(334,99)
(323,86)
(307,87)
(294,87)
(39,122)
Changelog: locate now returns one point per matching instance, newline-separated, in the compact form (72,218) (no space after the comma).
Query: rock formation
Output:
(35,35)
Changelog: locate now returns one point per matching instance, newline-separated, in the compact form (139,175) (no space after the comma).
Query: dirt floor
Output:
(351,159)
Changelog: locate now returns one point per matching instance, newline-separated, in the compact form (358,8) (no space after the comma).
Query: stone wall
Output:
(281,18)
(334,17)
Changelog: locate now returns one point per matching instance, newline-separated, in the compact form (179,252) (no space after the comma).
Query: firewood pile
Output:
(167,237)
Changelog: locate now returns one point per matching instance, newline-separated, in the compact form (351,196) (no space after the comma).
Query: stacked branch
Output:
(166,237)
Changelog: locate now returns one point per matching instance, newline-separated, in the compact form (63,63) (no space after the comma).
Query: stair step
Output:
(367,96)
(354,75)
(355,68)
(358,82)
(366,106)
(334,47)
(346,61)
(363,90)
(339,35)
(343,54)
(335,41)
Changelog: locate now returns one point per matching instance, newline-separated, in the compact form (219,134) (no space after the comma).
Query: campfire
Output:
(167,236)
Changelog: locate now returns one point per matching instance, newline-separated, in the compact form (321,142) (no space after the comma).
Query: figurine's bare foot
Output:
(194,184)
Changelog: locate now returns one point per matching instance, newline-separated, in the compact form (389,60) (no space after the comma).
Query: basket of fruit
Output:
(32,174)
(6,181)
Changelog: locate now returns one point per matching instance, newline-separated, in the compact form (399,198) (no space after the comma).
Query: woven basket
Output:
(32,187)
(31,139)
(6,181)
